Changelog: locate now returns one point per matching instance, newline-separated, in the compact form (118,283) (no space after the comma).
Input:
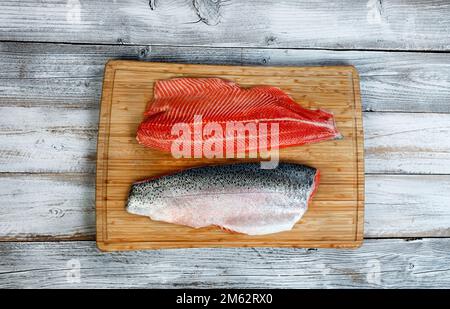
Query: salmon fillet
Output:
(221,102)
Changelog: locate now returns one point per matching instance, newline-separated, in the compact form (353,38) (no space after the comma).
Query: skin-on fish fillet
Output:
(220,102)
(237,197)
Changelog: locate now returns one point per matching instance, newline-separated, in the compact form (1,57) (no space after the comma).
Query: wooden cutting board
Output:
(336,215)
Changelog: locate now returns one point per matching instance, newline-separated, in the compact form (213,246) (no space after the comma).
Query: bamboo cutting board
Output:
(336,215)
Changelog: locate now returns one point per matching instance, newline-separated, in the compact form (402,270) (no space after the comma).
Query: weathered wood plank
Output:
(47,140)
(379,263)
(43,206)
(387,24)
(51,92)
(407,206)
(407,143)
(70,75)
(36,206)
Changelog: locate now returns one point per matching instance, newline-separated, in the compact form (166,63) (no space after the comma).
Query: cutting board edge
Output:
(130,246)
(360,157)
(108,85)
(117,64)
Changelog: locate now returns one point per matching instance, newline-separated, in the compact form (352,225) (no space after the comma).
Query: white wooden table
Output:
(52,55)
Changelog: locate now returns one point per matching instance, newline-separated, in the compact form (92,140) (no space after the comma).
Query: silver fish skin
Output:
(237,197)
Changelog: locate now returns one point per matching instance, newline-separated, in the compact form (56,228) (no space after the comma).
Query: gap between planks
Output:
(243,47)
(51,239)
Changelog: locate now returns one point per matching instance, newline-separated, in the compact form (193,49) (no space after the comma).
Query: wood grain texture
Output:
(47,206)
(59,75)
(377,264)
(348,24)
(396,206)
(39,139)
(336,214)
(407,206)
(404,143)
